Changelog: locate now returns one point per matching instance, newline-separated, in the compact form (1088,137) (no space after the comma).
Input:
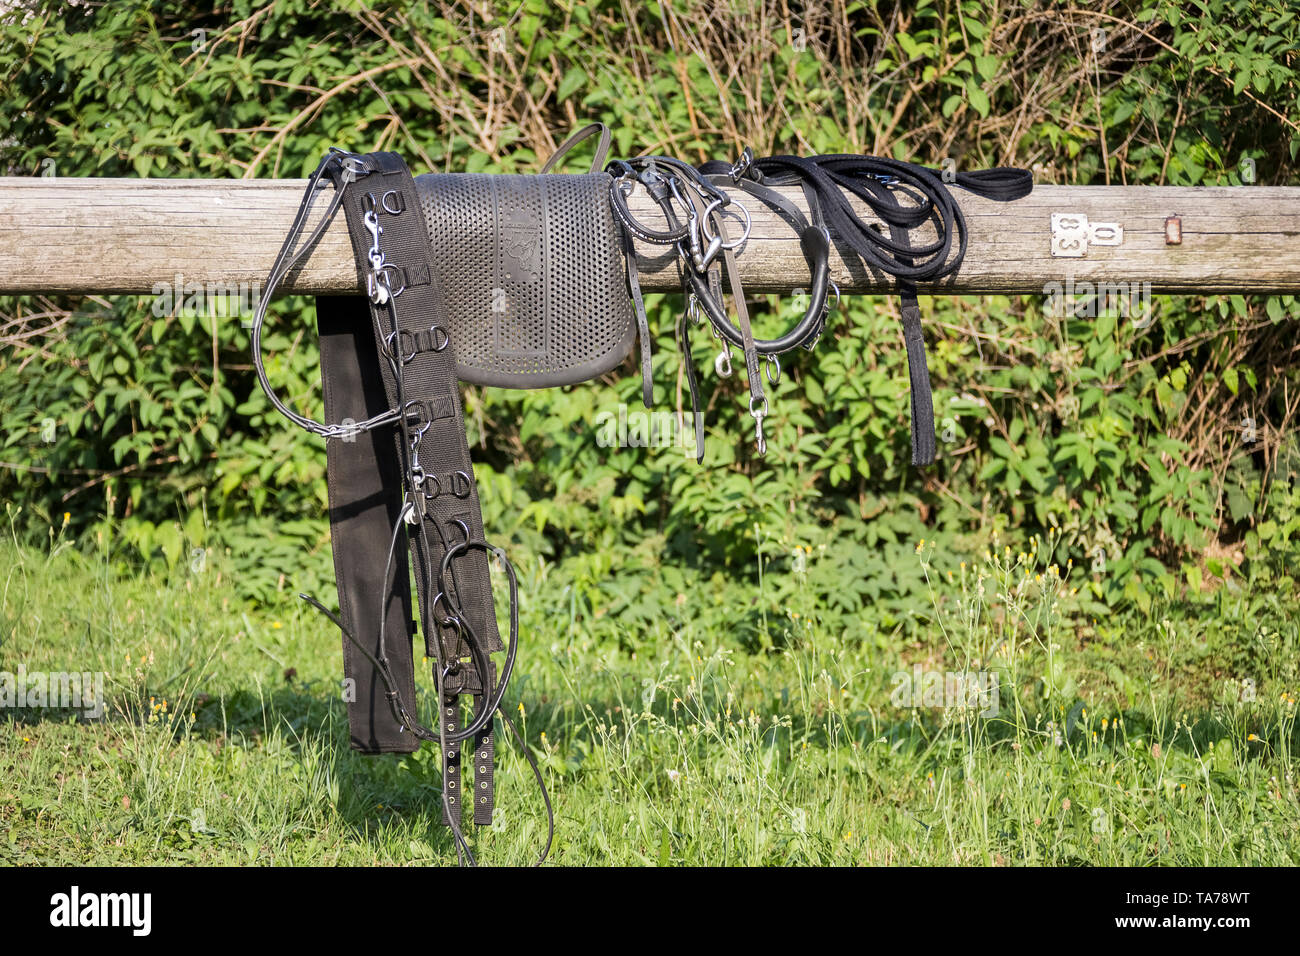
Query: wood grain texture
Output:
(129,235)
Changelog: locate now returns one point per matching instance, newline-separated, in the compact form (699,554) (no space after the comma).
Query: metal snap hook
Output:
(722,364)
(758,415)
(423,429)
(447,621)
(377,286)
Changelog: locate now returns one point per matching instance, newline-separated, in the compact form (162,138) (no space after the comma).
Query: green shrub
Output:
(1125,442)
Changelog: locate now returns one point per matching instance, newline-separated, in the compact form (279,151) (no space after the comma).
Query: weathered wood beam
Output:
(129,235)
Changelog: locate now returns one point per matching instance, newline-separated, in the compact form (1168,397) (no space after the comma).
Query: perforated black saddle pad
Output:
(532,274)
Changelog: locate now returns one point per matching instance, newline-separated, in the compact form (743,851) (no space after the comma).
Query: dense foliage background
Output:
(1153,463)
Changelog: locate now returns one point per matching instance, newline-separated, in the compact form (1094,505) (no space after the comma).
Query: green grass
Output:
(1124,741)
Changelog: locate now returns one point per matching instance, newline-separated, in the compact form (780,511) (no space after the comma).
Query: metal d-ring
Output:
(352,165)
(773,369)
(693,310)
(392,349)
(401,205)
(463,527)
(386,268)
(439,336)
(462,485)
(437,485)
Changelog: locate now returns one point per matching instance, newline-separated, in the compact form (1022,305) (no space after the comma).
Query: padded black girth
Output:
(363,476)
(415,472)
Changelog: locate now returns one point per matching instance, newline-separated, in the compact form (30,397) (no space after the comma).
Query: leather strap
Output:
(642,323)
(602,146)
(921,402)
(452,782)
(480,791)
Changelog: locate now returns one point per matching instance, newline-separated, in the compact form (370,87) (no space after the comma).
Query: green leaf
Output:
(576,77)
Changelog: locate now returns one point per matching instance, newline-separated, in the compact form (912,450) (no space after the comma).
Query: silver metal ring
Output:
(384,270)
(773,368)
(465,482)
(731,244)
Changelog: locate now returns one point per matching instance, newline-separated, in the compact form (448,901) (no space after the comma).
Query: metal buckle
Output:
(741,166)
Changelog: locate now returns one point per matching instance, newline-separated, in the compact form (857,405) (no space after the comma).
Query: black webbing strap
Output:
(414,367)
(875,180)
(362,475)
(431,398)
(918,371)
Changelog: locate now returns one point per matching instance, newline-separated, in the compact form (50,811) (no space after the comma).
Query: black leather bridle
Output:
(692,203)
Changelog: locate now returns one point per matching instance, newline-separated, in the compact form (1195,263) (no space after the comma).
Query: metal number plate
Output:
(1072,233)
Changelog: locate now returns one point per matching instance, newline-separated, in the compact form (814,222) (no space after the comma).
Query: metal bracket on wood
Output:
(1072,233)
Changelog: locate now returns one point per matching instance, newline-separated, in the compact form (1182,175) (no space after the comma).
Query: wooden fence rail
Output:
(131,235)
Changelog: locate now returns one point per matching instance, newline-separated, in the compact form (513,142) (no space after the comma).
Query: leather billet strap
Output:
(453,787)
(921,397)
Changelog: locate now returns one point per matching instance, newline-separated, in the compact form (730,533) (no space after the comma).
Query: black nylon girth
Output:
(398,354)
